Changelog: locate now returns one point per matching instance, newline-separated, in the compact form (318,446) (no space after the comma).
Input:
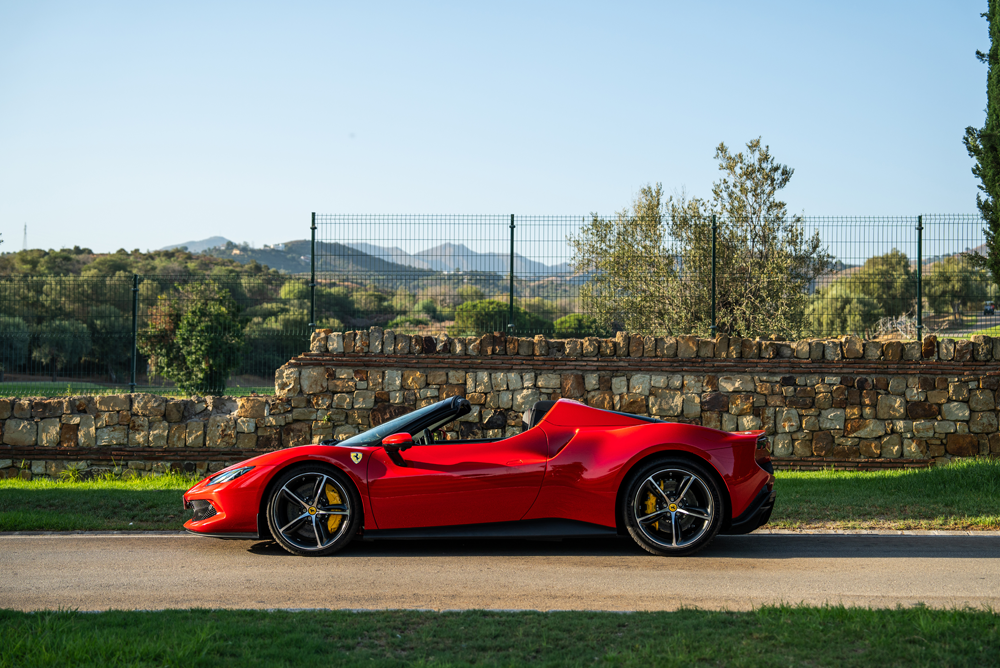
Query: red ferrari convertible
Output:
(573,471)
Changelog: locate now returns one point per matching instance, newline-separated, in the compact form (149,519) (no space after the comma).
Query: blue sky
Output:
(138,125)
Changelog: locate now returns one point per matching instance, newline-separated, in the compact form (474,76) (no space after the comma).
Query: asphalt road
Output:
(148,572)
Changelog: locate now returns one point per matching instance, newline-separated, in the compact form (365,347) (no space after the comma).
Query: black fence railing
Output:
(566,276)
(88,334)
(593,275)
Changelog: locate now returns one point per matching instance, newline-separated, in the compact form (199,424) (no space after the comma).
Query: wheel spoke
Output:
(295,521)
(656,488)
(652,517)
(685,488)
(319,543)
(318,489)
(673,531)
(288,492)
(696,512)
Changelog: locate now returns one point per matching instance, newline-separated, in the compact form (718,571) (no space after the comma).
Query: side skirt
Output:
(552,528)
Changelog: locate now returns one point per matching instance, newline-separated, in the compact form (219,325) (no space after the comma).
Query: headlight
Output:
(228,475)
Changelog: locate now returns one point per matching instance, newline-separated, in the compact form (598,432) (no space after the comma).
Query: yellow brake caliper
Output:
(651,507)
(334,498)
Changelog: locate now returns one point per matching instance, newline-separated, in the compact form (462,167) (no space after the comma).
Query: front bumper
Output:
(756,515)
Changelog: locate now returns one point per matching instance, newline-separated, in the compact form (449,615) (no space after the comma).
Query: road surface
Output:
(151,572)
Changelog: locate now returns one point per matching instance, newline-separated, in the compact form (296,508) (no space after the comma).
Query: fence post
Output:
(135,329)
(510,297)
(312,278)
(920,278)
(715,229)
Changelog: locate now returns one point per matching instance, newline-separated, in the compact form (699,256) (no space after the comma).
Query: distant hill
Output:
(458,257)
(293,257)
(200,246)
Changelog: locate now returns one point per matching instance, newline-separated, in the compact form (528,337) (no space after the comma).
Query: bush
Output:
(489,315)
(196,347)
(578,326)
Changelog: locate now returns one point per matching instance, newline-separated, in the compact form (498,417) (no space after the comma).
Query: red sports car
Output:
(573,471)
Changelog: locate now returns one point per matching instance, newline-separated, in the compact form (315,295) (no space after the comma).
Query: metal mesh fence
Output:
(74,334)
(593,275)
(567,276)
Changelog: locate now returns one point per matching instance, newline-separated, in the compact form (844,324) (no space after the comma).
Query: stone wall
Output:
(147,433)
(820,400)
(842,402)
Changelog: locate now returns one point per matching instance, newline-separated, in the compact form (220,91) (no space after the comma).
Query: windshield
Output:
(376,434)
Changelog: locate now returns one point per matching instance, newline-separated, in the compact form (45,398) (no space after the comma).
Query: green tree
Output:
(649,268)
(195,338)
(58,343)
(839,309)
(15,339)
(885,285)
(954,285)
(111,339)
(983,145)
(629,266)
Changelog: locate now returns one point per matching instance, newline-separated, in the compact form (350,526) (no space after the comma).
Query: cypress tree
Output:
(983,145)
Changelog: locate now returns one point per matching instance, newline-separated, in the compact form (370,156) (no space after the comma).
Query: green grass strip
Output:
(960,496)
(149,503)
(773,636)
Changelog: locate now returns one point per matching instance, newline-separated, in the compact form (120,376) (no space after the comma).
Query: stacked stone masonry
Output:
(839,401)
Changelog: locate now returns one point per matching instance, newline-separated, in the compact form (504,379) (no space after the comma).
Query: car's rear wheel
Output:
(313,510)
(673,507)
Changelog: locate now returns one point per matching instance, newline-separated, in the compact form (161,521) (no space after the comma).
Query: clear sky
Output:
(142,124)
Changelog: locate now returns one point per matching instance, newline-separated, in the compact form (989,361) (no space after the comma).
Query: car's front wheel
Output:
(673,507)
(313,510)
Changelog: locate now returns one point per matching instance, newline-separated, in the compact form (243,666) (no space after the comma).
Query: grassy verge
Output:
(146,504)
(962,495)
(780,636)
(958,496)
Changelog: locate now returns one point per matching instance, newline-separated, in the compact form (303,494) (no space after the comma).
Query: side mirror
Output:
(394,443)
(401,440)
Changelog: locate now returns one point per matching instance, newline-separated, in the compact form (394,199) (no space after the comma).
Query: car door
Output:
(458,482)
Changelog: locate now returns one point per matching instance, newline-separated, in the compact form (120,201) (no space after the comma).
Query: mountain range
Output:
(199,246)
(293,257)
(449,257)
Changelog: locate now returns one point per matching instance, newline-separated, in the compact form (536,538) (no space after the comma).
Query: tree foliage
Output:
(953,285)
(650,266)
(489,315)
(885,285)
(60,342)
(195,339)
(983,145)
(15,337)
(578,326)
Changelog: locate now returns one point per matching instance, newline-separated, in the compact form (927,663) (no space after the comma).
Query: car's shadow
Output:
(753,546)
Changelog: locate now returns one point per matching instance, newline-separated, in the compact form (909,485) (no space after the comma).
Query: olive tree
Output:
(649,267)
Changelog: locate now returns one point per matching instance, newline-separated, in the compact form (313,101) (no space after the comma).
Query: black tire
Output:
(673,507)
(308,527)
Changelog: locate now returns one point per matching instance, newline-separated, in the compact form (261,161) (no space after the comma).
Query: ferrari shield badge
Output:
(356,457)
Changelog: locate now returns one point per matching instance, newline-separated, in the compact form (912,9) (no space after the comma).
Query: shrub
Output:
(489,315)
(578,326)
